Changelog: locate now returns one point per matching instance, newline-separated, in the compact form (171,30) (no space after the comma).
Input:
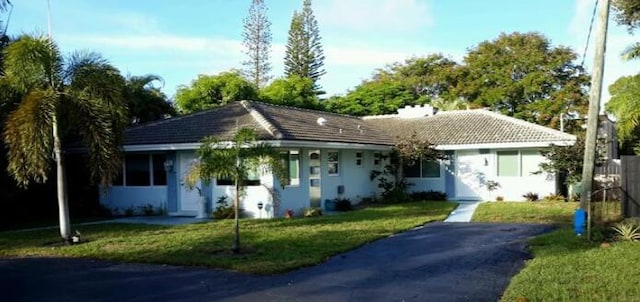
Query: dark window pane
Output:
(412,171)
(137,170)
(119,179)
(430,168)
(224,182)
(159,174)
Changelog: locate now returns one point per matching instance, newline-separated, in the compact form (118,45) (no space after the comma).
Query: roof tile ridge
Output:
(261,119)
(379,116)
(527,124)
(305,109)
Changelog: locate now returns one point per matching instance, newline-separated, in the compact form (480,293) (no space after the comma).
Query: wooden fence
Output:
(630,183)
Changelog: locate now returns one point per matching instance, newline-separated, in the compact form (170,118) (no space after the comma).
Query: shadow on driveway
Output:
(437,262)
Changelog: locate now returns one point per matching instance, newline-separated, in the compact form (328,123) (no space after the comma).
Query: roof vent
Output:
(321,121)
(416,111)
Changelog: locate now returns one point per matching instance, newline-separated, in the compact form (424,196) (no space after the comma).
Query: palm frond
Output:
(632,52)
(32,62)
(29,138)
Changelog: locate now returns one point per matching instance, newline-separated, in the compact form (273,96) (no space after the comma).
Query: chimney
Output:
(416,111)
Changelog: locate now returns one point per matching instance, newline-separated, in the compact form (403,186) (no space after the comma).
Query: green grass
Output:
(280,244)
(566,267)
(525,212)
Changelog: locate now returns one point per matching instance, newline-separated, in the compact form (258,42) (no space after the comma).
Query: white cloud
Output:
(158,42)
(381,15)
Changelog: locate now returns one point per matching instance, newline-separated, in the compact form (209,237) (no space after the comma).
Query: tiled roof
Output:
(468,127)
(272,122)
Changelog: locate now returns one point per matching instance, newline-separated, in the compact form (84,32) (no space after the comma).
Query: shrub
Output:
(553,197)
(430,195)
(130,211)
(147,210)
(224,210)
(627,231)
(312,212)
(343,204)
(396,195)
(531,196)
(499,198)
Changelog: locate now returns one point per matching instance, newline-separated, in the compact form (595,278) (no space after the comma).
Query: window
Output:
(518,163)
(137,170)
(333,160)
(377,158)
(142,170)
(424,169)
(359,159)
(293,167)
(159,174)
(508,163)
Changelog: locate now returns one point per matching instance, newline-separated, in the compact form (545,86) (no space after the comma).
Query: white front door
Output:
(471,174)
(188,203)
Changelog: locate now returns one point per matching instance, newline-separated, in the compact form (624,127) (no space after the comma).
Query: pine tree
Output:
(257,44)
(304,56)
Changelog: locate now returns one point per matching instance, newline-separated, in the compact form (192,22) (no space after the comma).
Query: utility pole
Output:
(594,109)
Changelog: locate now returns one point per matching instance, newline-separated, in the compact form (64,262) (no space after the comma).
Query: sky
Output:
(178,40)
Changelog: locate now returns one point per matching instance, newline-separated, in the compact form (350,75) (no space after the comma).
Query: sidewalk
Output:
(464,211)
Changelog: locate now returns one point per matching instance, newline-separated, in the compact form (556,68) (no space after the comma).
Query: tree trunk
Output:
(236,214)
(63,204)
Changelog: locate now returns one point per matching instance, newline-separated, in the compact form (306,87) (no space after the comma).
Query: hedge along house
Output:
(481,147)
(330,156)
(327,155)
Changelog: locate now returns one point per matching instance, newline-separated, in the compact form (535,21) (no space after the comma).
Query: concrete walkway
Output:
(464,211)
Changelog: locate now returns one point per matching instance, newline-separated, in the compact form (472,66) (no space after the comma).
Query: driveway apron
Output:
(437,262)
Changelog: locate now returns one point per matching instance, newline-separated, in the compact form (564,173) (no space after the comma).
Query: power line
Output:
(586,46)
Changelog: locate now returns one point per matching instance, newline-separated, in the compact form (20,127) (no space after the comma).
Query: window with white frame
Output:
(142,170)
(423,169)
(333,162)
(515,163)
(377,159)
(291,162)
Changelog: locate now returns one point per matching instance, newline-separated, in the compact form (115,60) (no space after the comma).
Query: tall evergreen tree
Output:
(304,56)
(257,44)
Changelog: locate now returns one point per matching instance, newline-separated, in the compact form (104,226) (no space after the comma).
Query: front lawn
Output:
(526,212)
(566,267)
(280,244)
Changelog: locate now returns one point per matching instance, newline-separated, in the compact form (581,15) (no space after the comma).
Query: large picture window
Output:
(143,170)
(518,163)
(423,169)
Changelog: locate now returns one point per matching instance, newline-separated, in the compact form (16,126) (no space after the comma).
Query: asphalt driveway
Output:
(438,262)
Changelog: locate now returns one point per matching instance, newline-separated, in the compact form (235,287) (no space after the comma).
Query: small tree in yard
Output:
(408,151)
(567,160)
(233,160)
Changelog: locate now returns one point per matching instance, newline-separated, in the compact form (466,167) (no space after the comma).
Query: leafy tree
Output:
(146,102)
(208,91)
(449,104)
(523,76)
(77,96)
(257,44)
(627,13)
(374,97)
(292,91)
(625,106)
(234,160)
(304,56)
(413,82)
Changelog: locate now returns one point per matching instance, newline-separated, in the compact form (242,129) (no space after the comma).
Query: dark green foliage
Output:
(531,196)
(304,55)
(568,160)
(627,13)
(430,195)
(524,76)
(209,91)
(145,101)
(343,204)
(625,106)
(257,44)
(414,82)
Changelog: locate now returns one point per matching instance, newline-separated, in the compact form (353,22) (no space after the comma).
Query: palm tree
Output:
(233,160)
(78,97)
(146,101)
(632,52)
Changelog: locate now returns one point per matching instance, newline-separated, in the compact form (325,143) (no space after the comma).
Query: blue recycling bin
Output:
(579,221)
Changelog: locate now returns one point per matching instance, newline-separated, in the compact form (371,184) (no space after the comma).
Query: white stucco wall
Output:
(121,198)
